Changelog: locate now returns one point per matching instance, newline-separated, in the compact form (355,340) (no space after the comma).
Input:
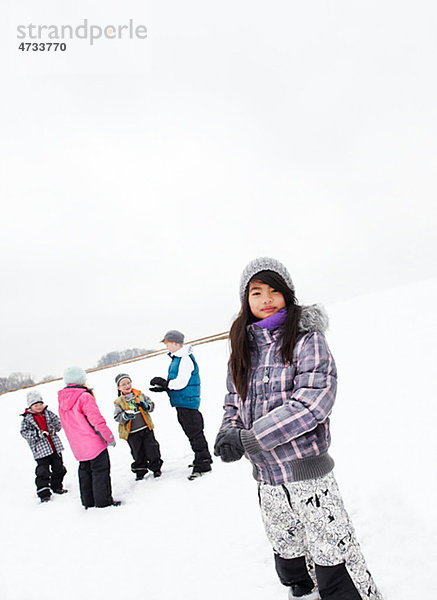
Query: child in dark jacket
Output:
(183,387)
(39,427)
(135,425)
(282,383)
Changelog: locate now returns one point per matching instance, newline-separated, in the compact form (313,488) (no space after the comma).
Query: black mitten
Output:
(159,384)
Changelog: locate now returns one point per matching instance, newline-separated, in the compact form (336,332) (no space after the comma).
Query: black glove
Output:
(228,444)
(159,384)
(129,415)
(144,405)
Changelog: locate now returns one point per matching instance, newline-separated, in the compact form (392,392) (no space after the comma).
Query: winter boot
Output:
(199,470)
(296,592)
(194,475)
(44,494)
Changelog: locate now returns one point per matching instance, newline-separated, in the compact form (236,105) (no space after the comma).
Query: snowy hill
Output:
(175,539)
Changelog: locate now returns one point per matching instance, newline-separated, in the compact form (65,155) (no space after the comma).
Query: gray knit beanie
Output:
(74,375)
(33,397)
(264,263)
(122,376)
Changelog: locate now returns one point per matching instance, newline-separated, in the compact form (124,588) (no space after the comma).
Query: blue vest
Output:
(189,396)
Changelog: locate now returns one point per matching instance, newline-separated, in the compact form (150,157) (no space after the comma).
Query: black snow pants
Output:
(334,581)
(191,421)
(95,481)
(145,451)
(50,472)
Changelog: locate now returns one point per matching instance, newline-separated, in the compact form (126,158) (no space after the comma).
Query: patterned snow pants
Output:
(308,519)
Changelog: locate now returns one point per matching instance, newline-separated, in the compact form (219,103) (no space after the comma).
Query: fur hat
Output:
(33,397)
(74,375)
(174,336)
(264,263)
(122,376)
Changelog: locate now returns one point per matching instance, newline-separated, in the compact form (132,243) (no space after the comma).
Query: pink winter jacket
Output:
(84,426)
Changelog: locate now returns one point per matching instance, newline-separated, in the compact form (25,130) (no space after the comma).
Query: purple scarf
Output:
(273,321)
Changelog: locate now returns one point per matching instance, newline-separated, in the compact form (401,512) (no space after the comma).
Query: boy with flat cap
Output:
(183,387)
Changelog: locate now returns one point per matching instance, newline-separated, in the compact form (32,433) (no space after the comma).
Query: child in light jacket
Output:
(89,438)
(135,425)
(39,428)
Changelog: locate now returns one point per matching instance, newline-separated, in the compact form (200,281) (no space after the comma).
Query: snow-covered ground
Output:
(175,539)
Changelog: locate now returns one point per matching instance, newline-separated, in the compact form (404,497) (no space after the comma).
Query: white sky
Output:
(139,177)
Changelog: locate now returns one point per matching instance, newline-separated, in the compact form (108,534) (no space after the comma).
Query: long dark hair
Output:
(239,361)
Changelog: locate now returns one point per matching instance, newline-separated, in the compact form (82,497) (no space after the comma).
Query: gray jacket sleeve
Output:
(30,432)
(231,417)
(53,419)
(149,402)
(119,415)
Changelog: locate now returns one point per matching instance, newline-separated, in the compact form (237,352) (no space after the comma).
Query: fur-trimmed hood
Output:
(313,318)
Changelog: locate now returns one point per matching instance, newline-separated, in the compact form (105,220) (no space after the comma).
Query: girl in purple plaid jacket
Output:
(282,383)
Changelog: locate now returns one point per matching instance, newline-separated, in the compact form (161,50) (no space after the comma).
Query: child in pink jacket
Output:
(89,437)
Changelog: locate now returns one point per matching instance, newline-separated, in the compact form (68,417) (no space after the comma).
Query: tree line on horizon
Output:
(18,380)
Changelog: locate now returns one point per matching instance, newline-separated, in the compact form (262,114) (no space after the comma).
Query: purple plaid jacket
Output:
(288,405)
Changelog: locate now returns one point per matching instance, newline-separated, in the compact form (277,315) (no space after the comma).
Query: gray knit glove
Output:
(228,444)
